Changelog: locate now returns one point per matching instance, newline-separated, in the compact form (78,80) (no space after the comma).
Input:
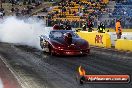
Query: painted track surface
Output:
(7,79)
(40,70)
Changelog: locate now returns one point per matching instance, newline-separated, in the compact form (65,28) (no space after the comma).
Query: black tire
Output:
(41,45)
(51,51)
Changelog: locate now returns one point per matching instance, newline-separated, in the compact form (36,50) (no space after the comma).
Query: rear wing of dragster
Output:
(82,78)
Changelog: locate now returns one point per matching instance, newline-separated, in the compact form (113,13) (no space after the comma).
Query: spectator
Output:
(90,26)
(84,27)
(101,28)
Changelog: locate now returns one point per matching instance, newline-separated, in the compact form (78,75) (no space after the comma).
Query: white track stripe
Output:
(1,84)
(19,79)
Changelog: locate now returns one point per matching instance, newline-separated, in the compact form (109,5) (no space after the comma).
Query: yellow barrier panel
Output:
(111,29)
(123,44)
(96,39)
(105,1)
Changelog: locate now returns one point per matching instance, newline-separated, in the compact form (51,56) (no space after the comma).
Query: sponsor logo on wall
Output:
(99,39)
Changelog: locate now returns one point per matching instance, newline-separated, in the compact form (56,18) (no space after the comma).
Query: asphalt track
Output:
(39,70)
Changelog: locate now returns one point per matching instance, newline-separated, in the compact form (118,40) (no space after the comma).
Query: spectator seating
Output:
(123,10)
(76,10)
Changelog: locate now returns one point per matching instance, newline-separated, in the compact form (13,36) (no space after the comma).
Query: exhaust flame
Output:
(22,31)
(81,71)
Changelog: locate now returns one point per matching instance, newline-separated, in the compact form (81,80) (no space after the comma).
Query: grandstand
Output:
(123,10)
(76,12)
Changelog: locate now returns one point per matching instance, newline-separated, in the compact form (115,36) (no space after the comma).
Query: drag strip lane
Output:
(59,72)
(90,64)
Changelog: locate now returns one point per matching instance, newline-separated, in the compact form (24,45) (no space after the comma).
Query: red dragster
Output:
(64,42)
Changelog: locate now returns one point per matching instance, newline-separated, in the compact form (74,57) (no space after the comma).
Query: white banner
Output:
(125,35)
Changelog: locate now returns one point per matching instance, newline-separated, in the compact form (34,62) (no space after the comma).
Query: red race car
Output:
(64,42)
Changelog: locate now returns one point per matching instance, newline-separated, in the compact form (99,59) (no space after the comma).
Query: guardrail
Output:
(123,44)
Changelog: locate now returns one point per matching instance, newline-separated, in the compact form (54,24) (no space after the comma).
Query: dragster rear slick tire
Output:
(51,52)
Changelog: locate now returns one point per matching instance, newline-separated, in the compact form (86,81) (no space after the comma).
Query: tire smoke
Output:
(22,31)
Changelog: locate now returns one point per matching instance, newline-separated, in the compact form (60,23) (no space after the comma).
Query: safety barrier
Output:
(96,39)
(123,44)
(110,29)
